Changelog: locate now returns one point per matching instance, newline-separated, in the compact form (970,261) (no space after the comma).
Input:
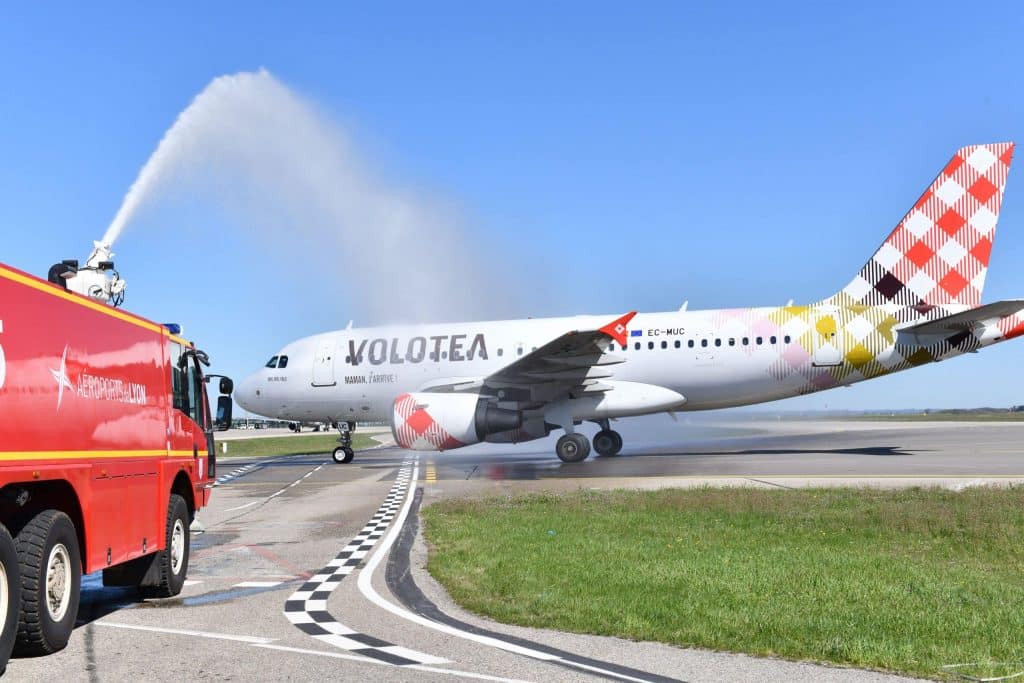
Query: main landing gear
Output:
(607,442)
(575,447)
(343,454)
(572,448)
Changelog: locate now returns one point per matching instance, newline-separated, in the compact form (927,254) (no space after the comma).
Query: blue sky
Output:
(628,157)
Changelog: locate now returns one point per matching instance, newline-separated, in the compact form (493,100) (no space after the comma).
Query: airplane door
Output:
(323,364)
(828,338)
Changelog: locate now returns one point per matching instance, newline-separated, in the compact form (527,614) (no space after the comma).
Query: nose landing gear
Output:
(343,454)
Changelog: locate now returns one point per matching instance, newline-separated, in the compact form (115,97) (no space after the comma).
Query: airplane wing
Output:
(967,320)
(574,362)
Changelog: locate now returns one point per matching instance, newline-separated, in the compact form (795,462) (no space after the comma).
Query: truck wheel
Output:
(10,580)
(172,561)
(51,577)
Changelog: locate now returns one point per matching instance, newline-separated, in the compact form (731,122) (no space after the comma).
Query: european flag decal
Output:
(636,333)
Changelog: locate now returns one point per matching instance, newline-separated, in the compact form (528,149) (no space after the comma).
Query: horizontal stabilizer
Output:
(967,320)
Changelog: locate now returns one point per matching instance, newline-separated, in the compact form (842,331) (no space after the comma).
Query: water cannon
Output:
(97,279)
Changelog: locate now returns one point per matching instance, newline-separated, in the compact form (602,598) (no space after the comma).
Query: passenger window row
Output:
(718,342)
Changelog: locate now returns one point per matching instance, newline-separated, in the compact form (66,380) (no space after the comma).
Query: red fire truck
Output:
(106,454)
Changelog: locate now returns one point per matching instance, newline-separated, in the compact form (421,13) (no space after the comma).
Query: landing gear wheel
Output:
(607,442)
(344,453)
(572,448)
(173,559)
(10,579)
(51,577)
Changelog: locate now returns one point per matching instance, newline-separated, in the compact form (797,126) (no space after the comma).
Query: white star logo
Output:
(61,377)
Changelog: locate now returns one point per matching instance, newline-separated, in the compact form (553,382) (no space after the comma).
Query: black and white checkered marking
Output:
(307,607)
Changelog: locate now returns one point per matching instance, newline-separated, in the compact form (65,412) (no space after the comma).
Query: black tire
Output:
(607,443)
(572,448)
(10,603)
(172,561)
(50,560)
(343,455)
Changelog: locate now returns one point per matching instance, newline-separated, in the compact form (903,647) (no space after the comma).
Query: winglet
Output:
(617,330)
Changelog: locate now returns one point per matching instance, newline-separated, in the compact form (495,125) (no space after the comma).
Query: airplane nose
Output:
(245,393)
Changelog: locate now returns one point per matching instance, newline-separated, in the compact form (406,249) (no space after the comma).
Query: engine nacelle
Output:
(531,429)
(441,422)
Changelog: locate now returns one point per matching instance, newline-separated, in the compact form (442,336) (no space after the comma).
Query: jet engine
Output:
(533,427)
(440,422)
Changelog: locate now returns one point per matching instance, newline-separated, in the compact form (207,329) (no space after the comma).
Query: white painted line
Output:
(266,643)
(297,481)
(257,584)
(252,640)
(242,507)
(463,674)
(332,655)
(190,582)
(365,583)
(367,660)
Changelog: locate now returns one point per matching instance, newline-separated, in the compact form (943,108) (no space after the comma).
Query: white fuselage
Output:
(714,358)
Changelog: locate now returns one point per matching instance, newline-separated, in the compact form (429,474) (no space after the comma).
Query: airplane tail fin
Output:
(938,254)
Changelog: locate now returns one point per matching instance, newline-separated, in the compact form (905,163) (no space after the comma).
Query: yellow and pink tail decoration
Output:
(938,254)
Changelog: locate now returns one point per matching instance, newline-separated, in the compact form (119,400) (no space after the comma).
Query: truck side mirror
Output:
(224,407)
(226,386)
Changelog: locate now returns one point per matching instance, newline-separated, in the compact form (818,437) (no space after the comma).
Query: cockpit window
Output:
(283,363)
(272,363)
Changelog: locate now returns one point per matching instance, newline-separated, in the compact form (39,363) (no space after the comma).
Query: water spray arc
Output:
(250,146)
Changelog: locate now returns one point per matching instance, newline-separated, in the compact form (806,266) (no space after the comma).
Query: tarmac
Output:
(308,570)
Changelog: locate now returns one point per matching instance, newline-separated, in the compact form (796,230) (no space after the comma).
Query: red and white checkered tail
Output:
(938,254)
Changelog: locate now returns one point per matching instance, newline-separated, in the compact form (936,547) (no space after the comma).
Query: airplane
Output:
(443,386)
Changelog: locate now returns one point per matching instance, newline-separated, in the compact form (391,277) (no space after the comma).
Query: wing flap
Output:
(574,374)
(567,363)
(584,361)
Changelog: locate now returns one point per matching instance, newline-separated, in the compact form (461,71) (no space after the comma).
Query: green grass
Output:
(289,445)
(906,580)
(939,416)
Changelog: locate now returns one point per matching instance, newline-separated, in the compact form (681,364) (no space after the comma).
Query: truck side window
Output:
(195,393)
(179,378)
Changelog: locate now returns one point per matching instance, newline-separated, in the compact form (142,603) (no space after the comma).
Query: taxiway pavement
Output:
(307,570)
